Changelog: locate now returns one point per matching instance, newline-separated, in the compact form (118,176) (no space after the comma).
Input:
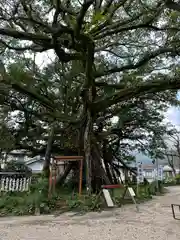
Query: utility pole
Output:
(157,170)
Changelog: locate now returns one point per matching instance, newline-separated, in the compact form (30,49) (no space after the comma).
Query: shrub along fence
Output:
(15,181)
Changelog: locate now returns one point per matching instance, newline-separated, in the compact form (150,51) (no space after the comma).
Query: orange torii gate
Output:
(54,168)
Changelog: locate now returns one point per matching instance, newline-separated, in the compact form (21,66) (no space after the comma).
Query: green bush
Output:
(170,181)
(37,201)
(26,203)
(84,203)
(15,166)
(177,179)
(147,190)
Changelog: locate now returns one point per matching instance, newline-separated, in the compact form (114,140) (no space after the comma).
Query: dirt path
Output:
(153,222)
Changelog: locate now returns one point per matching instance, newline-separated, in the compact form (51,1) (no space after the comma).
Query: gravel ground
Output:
(154,221)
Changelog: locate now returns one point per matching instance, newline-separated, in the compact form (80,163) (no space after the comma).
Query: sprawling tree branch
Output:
(144,60)
(141,89)
(80,18)
(172,5)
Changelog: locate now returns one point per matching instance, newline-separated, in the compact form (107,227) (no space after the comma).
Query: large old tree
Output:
(112,58)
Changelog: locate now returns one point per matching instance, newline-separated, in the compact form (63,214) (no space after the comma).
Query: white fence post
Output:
(10,181)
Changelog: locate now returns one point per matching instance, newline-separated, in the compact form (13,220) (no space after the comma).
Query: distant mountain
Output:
(143,158)
(147,160)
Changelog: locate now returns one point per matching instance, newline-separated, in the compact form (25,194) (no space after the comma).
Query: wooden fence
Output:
(14,182)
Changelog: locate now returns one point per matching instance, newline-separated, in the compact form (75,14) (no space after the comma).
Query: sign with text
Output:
(154,174)
(160,173)
(140,177)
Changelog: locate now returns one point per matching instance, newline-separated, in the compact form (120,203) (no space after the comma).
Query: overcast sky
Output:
(173,114)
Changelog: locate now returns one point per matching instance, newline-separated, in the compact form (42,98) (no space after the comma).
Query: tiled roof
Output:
(148,167)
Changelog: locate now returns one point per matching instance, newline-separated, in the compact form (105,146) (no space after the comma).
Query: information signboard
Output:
(160,173)
(140,177)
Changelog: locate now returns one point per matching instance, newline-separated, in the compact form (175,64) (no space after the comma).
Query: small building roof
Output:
(167,168)
(18,152)
(148,167)
(34,159)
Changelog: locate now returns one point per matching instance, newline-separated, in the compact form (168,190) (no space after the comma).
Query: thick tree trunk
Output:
(173,168)
(171,161)
(87,151)
(46,166)
(61,179)
(108,171)
(99,175)
(88,97)
(118,173)
(115,180)
(107,159)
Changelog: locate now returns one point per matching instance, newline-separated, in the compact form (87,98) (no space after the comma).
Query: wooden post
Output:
(50,184)
(80,177)
(54,180)
(137,189)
